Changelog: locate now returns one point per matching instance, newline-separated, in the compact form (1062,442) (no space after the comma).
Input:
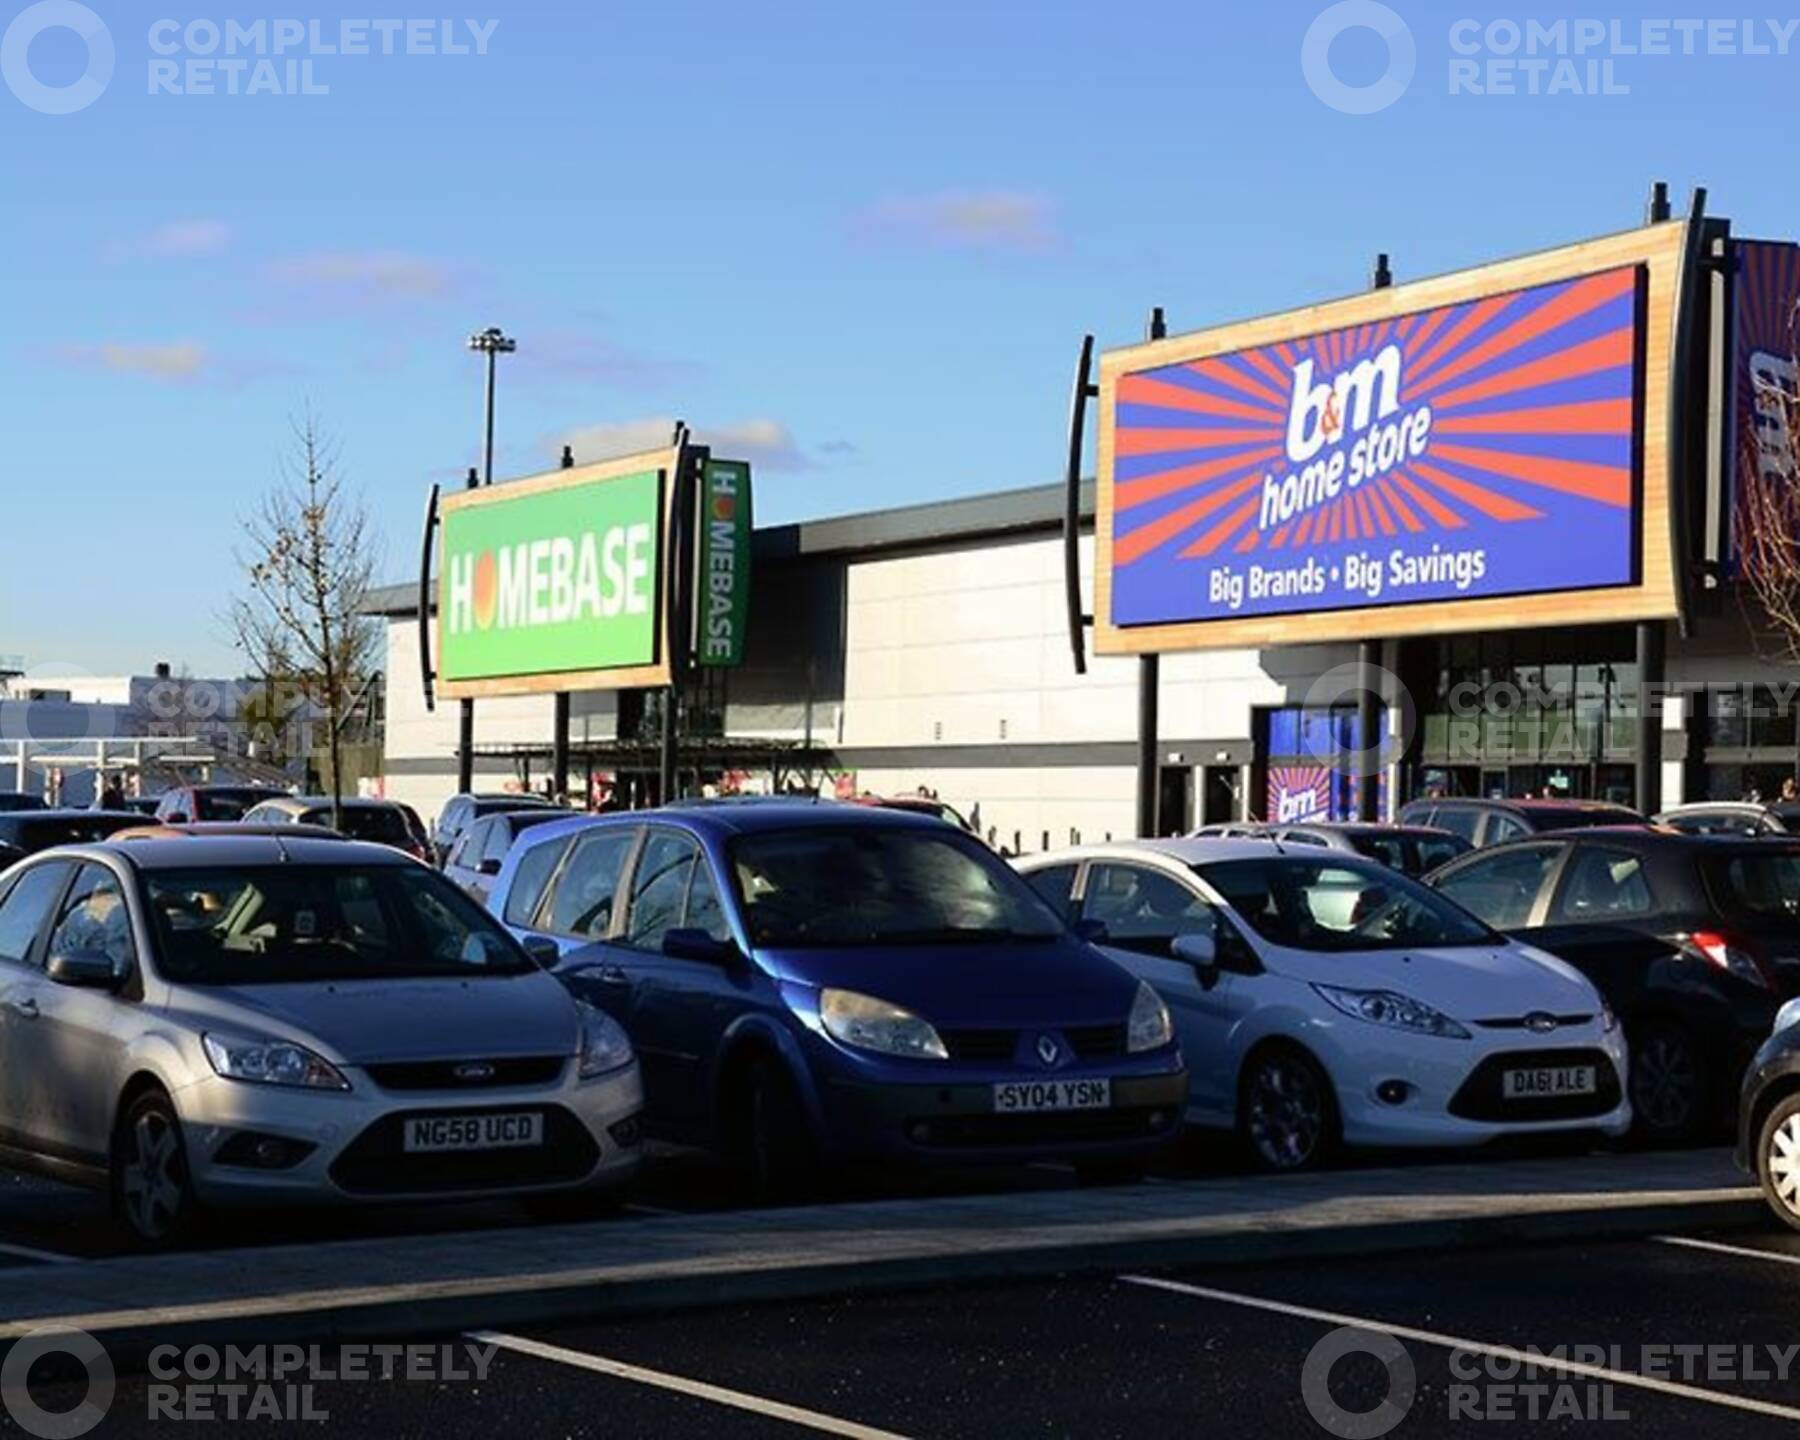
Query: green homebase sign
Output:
(722,596)
(555,582)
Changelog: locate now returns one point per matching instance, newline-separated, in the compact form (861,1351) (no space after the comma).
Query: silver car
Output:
(233,1021)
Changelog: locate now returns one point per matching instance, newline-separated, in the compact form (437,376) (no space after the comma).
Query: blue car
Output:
(808,982)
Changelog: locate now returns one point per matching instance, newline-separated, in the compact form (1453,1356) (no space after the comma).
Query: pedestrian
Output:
(1790,788)
(111,796)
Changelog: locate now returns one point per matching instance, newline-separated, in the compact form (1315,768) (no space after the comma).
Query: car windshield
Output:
(1578,817)
(1305,904)
(266,925)
(881,885)
(1756,882)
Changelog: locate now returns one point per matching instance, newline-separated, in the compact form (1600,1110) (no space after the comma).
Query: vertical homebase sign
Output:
(555,582)
(722,611)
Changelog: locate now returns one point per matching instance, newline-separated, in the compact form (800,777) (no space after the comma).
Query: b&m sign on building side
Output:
(1478,450)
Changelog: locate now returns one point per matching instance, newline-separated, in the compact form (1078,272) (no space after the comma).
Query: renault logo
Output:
(1048,1050)
(1539,1023)
(475,1073)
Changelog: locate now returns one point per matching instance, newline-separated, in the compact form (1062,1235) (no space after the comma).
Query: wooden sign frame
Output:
(666,463)
(1660,250)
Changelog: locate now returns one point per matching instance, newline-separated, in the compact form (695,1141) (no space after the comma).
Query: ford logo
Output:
(1539,1023)
(1047,1049)
(473,1074)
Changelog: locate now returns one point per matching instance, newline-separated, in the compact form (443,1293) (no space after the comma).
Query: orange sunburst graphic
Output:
(487,590)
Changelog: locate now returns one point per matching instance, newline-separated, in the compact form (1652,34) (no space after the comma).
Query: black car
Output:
(29,831)
(462,811)
(11,800)
(1693,940)
(1494,822)
(1768,1138)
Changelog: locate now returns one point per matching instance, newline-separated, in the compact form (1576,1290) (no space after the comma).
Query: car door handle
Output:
(611,975)
(28,1008)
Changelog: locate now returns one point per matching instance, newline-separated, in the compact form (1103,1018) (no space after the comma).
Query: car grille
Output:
(442,1074)
(1089,1042)
(1074,1126)
(376,1162)
(1517,1022)
(1482,1095)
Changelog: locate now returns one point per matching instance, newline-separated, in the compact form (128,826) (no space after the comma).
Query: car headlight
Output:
(271,1062)
(604,1044)
(866,1023)
(1788,1014)
(1609,1022)
(1150,1027)
(1387,1007)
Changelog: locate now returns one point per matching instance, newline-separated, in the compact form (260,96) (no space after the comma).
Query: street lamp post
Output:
(493,343)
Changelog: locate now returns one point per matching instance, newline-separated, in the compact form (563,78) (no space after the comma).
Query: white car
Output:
(1324,999)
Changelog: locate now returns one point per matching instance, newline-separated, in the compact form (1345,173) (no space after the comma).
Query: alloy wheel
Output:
(152,1184)
(1285,1113)
(1781,1157)
(1665,1082)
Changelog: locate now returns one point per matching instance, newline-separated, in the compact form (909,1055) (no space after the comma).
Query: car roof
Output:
(1185,849)
(748,815)
(1370,827)
(217,829)
(70,812)
(203,851)
(323,802)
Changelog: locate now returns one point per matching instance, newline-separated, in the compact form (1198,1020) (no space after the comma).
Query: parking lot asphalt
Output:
(1686,1335)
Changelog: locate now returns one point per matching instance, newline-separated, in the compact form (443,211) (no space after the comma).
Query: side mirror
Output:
(698,945)
(488,867)
(1092,931)
(543,950)
(1200,951)
(84,970)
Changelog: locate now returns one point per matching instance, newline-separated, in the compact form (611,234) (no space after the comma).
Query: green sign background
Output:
(487,537)
(722,594)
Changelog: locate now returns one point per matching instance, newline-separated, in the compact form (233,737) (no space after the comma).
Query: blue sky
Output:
(860,243)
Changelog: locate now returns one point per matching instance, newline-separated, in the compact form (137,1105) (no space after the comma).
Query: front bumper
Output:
(348,1147)
(1453,1091)
(955,1123)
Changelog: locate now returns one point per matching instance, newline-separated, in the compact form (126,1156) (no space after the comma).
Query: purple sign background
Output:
(1480,449)
(1768,290)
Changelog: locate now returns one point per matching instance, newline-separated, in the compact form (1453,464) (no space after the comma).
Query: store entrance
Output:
(1612,782)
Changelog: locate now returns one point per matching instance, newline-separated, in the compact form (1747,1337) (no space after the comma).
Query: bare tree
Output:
(309,567)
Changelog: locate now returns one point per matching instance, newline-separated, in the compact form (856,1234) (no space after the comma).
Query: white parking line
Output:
(699,1389)
(1475,1347)
(1779,1257)
(43,1257)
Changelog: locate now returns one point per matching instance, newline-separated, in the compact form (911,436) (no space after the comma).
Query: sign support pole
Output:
(1652,641)
(465,724)
(1368,667)
(1149,688)
(559,722)
(680,567)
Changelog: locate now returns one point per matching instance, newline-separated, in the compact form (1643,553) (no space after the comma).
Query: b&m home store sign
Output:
(1477,450)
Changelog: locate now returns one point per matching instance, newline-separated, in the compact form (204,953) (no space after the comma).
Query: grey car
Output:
(238,1021)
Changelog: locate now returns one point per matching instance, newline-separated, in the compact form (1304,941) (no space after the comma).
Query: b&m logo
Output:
(1359,406)
(1484,448)
(1299,794)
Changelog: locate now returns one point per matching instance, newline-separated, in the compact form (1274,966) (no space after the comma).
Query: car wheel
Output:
(1778,1160)
(1668,1084)
(776,1153)
(153,1194)
(1287,1114)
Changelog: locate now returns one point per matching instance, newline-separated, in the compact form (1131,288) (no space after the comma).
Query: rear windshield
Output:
(1556,818)
(268,925)
(364,822)
(226,804)
(1755,882)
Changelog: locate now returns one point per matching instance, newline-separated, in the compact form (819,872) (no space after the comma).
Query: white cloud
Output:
(175,240)
(1010,221)
(767,444)
(171,363)
(375,276)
